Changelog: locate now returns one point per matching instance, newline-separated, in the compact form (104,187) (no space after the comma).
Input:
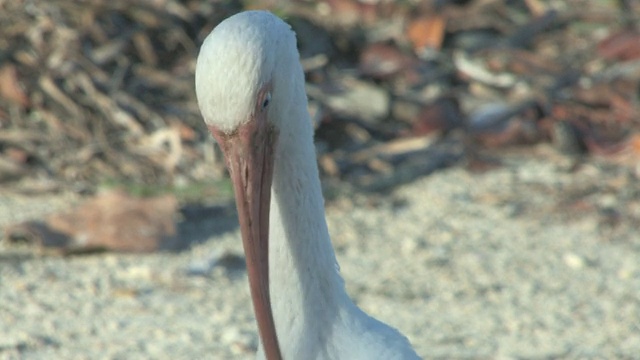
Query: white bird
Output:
(250,90)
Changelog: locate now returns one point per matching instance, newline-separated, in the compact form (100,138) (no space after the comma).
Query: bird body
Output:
(250,89)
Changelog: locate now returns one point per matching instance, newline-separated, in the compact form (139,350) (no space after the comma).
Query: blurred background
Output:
(98,110)
(100,93)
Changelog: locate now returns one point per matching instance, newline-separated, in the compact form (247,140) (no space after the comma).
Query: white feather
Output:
(314,317)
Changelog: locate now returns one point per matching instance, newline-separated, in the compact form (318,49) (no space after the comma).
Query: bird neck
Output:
(307,292)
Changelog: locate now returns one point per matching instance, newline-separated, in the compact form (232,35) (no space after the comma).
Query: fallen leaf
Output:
(380,61)
(111,221)
(497,125)
(17,155)
(634,144)
(10,88)
(350,12)
(427,32)
(442,115)
(623,46)
(535,7)
(186,132)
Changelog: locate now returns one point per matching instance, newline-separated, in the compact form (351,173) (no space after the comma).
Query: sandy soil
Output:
(506,264)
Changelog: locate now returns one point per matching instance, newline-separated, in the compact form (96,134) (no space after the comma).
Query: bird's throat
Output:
(307,292)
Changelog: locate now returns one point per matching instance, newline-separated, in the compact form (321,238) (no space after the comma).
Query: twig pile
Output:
(99,90)
(103,90)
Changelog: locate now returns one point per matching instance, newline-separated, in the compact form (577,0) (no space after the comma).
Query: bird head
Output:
(243,72)
(244,87)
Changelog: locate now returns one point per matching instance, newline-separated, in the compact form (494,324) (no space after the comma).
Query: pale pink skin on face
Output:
(248,153)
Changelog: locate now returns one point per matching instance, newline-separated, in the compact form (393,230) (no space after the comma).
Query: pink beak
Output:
(248,153)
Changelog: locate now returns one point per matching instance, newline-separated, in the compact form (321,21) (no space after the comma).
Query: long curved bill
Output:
(248,153)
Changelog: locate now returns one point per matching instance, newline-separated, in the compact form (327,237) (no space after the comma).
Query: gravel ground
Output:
(473,266)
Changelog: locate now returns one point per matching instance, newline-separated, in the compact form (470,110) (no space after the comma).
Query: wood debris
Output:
(111,221)
(104,89)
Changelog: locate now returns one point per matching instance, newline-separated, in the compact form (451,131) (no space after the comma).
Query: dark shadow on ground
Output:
(202,222)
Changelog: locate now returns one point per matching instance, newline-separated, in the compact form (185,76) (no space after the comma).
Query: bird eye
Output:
(267,101)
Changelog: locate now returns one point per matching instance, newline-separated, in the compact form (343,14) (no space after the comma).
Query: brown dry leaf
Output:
(597,95)
(427,32)
(442,116)
(623,45)
(536,7)
(17,155)
(380,61)
(633,145)
(186,133)
(10,88)
(351,11)
(111,221)
(497,125)
(515,132)
(519,61)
